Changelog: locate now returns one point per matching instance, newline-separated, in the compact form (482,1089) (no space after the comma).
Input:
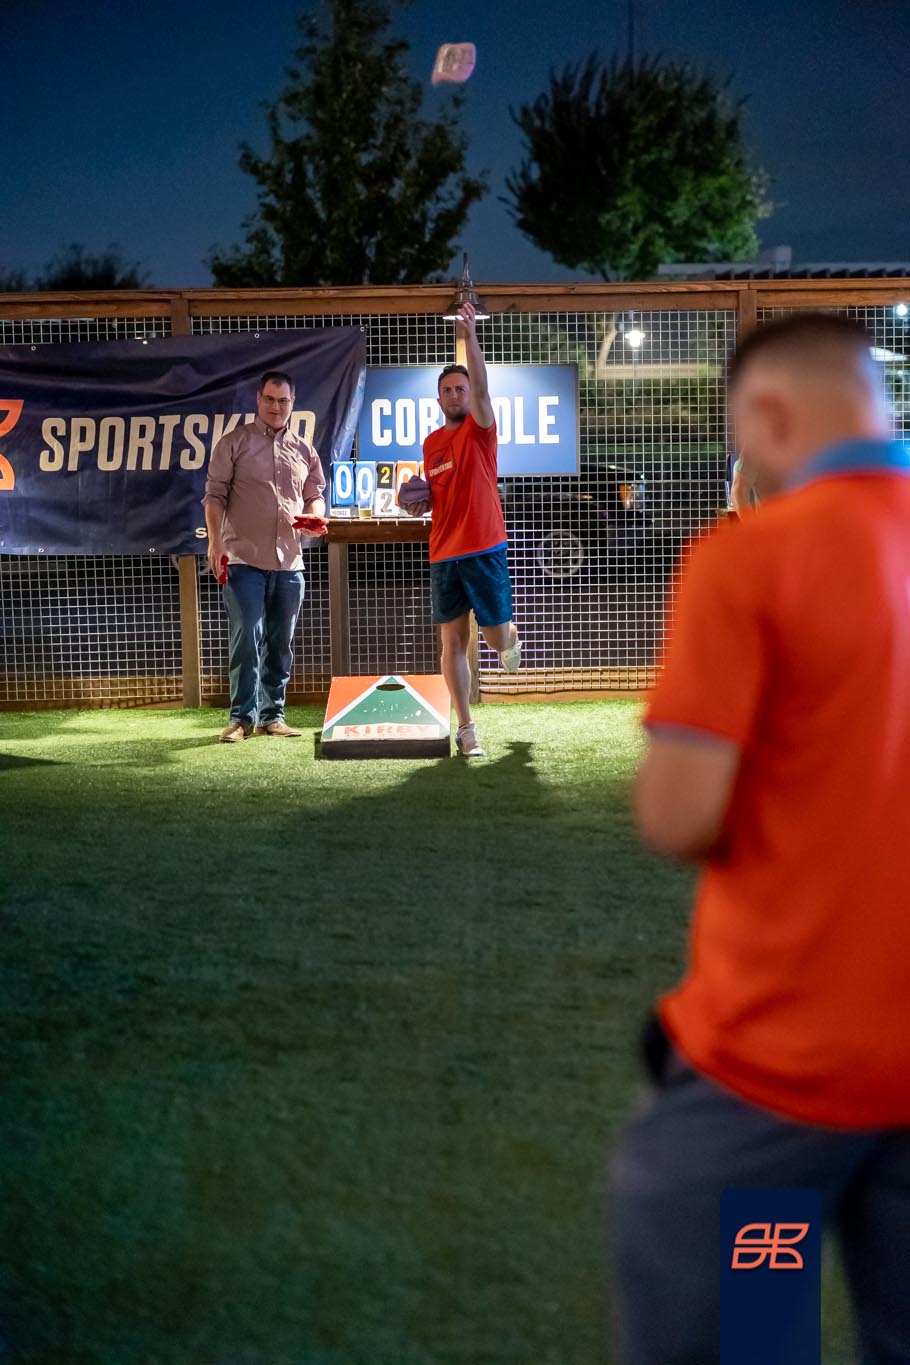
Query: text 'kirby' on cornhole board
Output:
(392,715)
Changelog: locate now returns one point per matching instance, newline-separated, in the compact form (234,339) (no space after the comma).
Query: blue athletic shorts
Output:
(480,582)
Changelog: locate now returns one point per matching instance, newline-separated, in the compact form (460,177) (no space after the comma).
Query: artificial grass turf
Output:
(318,1063)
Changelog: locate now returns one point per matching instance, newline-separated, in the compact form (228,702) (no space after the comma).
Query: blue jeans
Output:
(262,607)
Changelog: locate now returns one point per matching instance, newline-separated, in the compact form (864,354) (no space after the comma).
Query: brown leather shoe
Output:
(235,732)
(278,727)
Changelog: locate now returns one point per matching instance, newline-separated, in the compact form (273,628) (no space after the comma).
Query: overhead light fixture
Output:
(466,293)
(901,310)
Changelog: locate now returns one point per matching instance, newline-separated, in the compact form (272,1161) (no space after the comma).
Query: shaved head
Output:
(800,385)
(811,343)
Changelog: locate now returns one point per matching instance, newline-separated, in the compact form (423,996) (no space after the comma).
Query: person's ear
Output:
(779,418)
(771,413)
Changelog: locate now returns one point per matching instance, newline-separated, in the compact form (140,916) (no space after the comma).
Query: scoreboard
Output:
(370,488)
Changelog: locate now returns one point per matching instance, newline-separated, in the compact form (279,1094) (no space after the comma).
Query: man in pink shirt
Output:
(264,485)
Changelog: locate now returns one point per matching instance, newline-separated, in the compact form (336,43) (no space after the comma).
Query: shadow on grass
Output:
(151,753)
(17,761)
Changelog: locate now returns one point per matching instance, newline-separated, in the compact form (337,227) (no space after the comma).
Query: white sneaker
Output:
(511,658)
(466,742)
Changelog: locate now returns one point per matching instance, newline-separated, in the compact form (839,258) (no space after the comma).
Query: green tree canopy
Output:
(357,187)
(629,165)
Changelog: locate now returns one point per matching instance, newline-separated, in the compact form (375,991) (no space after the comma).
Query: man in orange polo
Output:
(779,759)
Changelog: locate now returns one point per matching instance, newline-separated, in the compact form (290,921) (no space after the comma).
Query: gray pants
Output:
(687,1142)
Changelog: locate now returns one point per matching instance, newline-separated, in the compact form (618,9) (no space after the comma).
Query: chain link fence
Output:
(889,328)
(592,556)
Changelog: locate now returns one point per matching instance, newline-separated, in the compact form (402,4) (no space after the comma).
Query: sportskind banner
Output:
(104,446)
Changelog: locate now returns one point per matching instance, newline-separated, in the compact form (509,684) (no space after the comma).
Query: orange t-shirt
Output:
(793,640)
(460,467)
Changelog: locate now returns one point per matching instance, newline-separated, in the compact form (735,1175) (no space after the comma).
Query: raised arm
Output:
(466,331)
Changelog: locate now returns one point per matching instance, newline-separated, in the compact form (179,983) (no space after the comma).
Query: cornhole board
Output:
(390,715)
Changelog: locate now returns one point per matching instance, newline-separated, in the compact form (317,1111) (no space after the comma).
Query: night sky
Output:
(121,122)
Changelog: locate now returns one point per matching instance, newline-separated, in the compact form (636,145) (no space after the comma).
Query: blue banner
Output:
(104,445)
(536,409)
(770,1277)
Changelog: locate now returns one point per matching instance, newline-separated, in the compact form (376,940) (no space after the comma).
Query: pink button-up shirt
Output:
(263,479)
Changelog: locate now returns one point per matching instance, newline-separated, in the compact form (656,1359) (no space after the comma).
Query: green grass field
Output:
(311,1063)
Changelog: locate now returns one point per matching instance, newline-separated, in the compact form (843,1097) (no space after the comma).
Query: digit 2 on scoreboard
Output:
(384,505)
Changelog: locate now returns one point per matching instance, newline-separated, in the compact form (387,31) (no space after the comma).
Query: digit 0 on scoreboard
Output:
(364,479)
(343,483)
(404,470)
(384,504)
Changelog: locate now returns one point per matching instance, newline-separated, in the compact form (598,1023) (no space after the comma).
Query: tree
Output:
(357,186)
(634,164)
(12,281)
(74,269)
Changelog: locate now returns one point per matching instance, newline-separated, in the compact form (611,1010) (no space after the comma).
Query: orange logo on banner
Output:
(12,407)
(757,1243)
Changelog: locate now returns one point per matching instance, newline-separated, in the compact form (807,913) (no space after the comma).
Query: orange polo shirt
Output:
(792,639)
(460,467)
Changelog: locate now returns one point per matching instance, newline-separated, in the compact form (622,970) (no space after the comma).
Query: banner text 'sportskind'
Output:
(104,445)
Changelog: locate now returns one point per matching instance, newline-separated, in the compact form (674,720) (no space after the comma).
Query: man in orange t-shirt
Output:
(469,568)
(779,758)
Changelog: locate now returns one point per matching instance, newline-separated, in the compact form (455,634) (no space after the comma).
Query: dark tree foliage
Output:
(629,165)
(75,269)
(357,187)
(12,281)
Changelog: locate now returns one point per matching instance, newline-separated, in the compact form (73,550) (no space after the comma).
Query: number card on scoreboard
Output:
(404,470)
(343,485)
(384,503)
(398,715)
(364,480)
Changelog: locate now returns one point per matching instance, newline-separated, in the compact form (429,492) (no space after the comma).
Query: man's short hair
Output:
(452,369)
(276,377)
(809,340)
